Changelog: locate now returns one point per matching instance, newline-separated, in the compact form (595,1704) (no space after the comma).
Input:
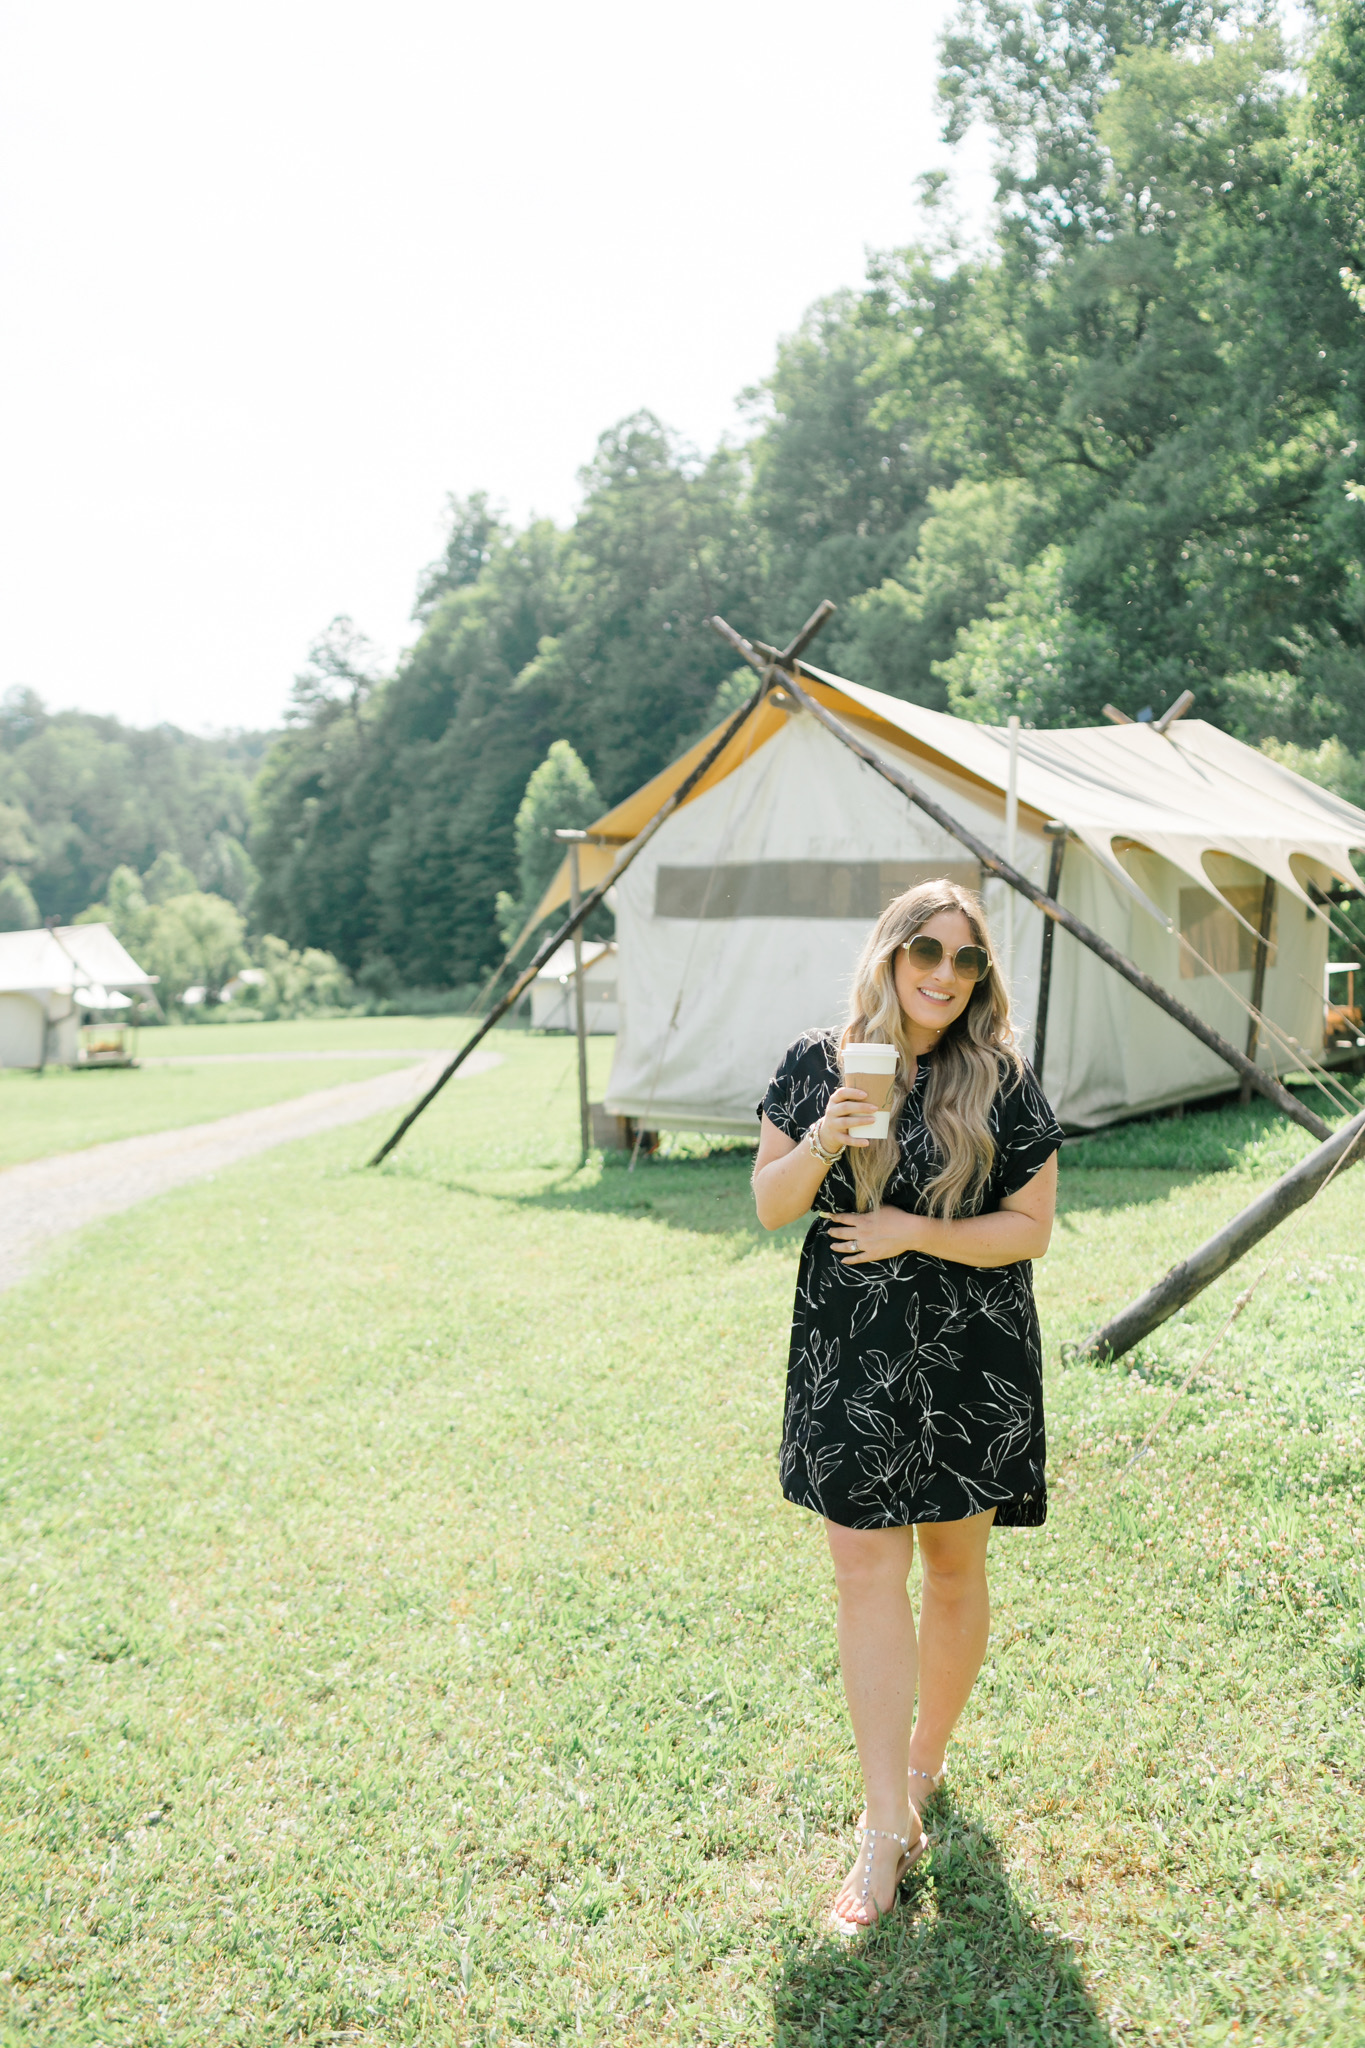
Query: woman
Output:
(914,1386)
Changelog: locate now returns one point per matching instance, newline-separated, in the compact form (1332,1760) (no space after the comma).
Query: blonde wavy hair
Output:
(974,1055)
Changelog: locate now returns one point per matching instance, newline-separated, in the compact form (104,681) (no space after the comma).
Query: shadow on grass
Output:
(710,1195)
(1129,1187)
(960,1964)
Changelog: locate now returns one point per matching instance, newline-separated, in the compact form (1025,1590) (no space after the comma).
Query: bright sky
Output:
(280,276)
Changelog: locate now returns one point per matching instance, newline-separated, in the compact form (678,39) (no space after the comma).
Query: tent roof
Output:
(559,966)
(31,961)
(1184,793)
(101,957)
(72,956)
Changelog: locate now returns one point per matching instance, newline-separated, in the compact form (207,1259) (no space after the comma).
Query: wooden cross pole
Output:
(589,903)
(770,662)
(1056,831)
(1343,1149)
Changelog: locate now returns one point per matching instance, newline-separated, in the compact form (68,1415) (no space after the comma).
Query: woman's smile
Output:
(931,998)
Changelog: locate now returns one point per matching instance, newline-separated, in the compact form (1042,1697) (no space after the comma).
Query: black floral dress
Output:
(914,1386)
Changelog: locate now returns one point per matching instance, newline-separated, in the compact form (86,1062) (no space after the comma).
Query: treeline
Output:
(1118,454)
(82,795)
(147,831)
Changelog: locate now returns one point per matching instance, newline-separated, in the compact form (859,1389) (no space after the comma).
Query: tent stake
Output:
(1217,1253)
(1265,1084)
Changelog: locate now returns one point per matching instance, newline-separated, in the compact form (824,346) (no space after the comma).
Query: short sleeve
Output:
(1026,1134)
(799,1091)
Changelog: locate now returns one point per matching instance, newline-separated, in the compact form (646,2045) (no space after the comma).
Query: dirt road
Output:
(46,1198)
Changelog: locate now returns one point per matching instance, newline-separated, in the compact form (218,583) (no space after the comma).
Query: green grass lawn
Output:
(405,1641)
(62,1110)
(306,1034)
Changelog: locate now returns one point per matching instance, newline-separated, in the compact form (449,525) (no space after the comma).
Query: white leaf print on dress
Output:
(1010,1414)
(901,1366)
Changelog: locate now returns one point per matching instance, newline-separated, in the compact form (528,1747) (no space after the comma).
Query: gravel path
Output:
(46,1198)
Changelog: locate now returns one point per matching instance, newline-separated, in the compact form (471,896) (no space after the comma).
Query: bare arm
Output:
(1021,1228)
(787,1175)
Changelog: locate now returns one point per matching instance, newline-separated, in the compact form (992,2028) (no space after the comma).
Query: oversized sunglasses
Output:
(970,963)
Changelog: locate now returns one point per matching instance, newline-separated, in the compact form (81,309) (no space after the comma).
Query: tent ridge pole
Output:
(1265,1084)
(585,908)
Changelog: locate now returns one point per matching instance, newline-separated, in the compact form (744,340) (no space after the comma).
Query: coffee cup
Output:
(873,1069)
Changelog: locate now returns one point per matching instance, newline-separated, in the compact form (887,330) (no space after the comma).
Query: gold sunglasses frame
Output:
(924,938)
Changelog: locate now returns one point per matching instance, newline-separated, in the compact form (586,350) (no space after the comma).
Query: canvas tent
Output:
(739,923)
(552,991)
(50,980)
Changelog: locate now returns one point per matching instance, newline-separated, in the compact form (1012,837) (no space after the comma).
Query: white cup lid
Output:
(871,1059)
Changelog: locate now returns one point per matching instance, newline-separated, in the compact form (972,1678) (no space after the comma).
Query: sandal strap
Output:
(884,1835)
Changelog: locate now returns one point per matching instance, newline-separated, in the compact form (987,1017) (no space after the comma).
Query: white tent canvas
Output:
(48,978)
(553,1007)
(740,922)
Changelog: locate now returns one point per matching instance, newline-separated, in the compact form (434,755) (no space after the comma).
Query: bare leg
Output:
(878,1659)
(954,1627)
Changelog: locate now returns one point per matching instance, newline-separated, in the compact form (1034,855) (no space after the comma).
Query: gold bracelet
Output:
(813,1141)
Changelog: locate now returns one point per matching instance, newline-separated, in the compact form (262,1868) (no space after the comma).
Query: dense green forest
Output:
(82,795)
(1118,453)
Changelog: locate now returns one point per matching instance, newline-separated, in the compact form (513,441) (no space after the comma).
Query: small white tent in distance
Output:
(49,980)
(738,925)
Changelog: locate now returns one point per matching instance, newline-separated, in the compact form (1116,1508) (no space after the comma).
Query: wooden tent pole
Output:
(1056,830)
(1264,1083)
(1343,1149)
(623,860)
(580,1007)
(1258,978)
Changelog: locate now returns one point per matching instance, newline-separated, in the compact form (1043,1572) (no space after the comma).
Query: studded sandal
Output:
(933,1778)
(910,1856)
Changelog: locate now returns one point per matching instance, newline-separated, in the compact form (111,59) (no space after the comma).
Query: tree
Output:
(300,984)
(1032,655)
(560,793)
(1161,349)
(187,939)
(839,489)
(908,626)
(386,836)
(18,911)
(166,877)
(194,941)
(474,532)
(92,795)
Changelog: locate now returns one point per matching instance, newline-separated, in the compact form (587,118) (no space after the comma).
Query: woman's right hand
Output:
(846,1106)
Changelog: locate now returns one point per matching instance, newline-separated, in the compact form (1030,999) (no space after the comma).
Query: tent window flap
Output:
(799,888)
(1213,931)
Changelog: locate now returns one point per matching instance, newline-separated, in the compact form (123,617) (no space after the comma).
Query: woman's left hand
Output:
(880,1234)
